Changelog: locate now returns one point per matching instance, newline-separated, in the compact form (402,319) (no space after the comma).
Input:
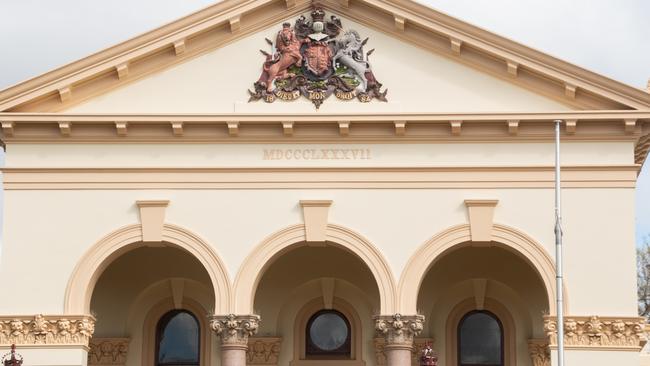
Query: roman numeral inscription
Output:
(317,154)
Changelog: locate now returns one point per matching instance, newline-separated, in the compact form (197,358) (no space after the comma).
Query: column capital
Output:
(235,329)
(398,329)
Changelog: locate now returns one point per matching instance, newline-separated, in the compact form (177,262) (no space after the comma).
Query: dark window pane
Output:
(328,331)
(178,339)
(480,339)
(328,334)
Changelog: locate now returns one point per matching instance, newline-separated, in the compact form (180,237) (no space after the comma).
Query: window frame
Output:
(501,334)
(313,352)
(162,324)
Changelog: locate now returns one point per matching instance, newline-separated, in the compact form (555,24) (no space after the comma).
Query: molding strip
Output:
(623,176)
(611,333)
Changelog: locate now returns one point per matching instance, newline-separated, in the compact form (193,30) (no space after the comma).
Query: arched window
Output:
(480,339)
(328,336)
(178,339)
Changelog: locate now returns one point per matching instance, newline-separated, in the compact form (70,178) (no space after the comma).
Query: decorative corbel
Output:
(177,286)
(400,128)
(571,126)
(456,45)
(630,125)
(315,214)
(65,93)
(344,128)
(455,127)
(400,22)
(122,70)
(513,68)
(346,3)
(65,127)
(235,23)
(290,3)
(8,128)
(179,47)
(152,219)
(480,288)
(287,128)
(233,128)
(570,90)
(481,219)
(513,127)
(177,128)
(121,128)
(327,286)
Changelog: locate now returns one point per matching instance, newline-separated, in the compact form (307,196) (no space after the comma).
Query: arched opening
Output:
(319,300)
(158,300)
(483,305)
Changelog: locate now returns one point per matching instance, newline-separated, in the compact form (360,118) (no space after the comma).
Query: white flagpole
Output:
(558,250)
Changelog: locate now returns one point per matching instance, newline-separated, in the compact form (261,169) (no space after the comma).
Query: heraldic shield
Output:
(315,59)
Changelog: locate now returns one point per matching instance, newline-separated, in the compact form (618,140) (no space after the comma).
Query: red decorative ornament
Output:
(10,359)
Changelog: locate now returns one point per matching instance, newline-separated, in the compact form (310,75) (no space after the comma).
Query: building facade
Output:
(379,178)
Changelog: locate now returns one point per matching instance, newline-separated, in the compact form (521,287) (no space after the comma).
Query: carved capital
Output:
(108,351)
(540,353)
(235,329)
(263,350)
(54,330)
(595,331)
(399,329)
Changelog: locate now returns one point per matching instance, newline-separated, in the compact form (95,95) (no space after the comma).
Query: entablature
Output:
(633,126)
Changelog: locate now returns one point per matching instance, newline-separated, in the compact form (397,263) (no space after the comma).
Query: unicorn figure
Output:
(350,53)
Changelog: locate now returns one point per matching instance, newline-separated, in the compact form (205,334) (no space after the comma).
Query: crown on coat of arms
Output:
(318,15)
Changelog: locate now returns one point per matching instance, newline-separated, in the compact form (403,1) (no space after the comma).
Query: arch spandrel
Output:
(512,239)
(96,259)
(262,256)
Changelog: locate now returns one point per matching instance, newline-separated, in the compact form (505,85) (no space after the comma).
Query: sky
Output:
(610,37)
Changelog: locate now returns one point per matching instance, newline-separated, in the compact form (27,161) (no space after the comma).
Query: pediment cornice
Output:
(231,20)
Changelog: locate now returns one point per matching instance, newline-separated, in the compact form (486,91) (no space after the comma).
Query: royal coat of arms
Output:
(316,59)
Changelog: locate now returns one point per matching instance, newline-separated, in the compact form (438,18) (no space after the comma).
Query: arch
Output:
(503,236)
(96,259)
(271,248)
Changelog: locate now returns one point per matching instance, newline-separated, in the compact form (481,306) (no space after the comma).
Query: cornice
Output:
(230,20)
(633,126)
(512,51)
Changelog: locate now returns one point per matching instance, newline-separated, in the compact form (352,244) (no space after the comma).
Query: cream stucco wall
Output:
(396,221)
(417,80)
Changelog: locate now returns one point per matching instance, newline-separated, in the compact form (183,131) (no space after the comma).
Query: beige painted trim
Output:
(314,213)
(502,236)
(481,216)
(228,21)
(300,325)
(271,248)
(496,308)
(99,256)
(475,177)
(362,127)
(152,219)
(151,322)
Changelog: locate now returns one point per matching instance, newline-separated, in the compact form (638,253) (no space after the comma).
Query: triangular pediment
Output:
(429,62)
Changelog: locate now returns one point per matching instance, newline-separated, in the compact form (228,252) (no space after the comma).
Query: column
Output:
(234,331)
(399,331)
